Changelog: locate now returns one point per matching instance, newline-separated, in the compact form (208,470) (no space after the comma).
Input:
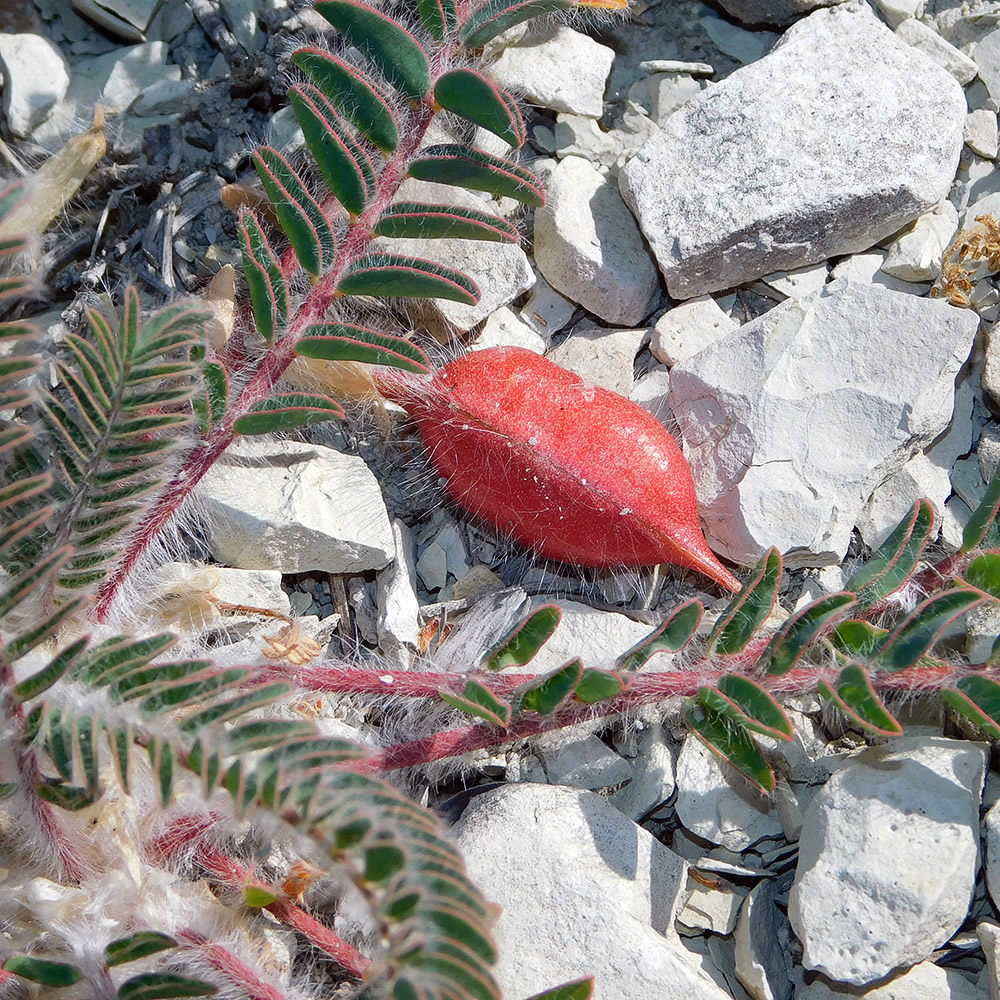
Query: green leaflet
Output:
(346,342)
(799,631)
(344,165)
(472,96)
(268,289)
(438,16)
(977,698)
(856,698)
(981,527)
(387,44)
(353,94)
(599,685)
(39,970)
(727,737)
(136,946)
(300,216)
(758,709)
(414,220)
(547,693)
(857,638)
(164,986)
(523,642)
(479,701)
(407,277)
(914,638)
(671,637)
(288,410)
(896,558)
(479,171)
(751,607)
(983,573)
(496,16)
(579,989)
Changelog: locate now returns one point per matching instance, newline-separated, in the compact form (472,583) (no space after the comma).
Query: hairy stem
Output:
(234,969)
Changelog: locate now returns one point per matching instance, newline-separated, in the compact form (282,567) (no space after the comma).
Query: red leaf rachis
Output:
(570,470)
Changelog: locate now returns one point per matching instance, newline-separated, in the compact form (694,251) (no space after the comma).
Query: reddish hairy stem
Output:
(223,961)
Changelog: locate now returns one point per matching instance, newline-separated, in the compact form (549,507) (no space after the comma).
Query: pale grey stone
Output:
(867,268)
(583,891)
(676,66)
(922,36)
(557,68)
(987,58)
(988,451)
(652,776)
(295,507)
(35,77)
(505,328)
(798,283)
(601,357)
(763,961)
(922,982)
(581,761)
(776,12)
(737,43)
(165,97)
(790,422)
(916,254)
(258,588)
(589,247)
(981,133)
(652,392)
(764,172)
(715,910)
(241,16)
(398,622)
(888,858)
(661,94)
(982,626)
(546,311)
(432,567)
(687,328)
(989,937)
(715,802)
(897,11)
(127,19)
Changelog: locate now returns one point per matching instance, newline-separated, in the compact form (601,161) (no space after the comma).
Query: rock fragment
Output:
(773,12)
(601,357)
(35,78)
(681,332)
(922,36)
(834,140)
(888,857)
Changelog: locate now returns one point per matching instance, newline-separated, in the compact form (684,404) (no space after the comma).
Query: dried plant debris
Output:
(972,255)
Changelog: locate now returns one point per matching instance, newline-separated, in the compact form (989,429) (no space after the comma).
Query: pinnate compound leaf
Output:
(981,528)
(579,989)
(727,737)
(599,685)
(300,215)
(41,681)
(136,946)
(983,573)
(914,638)
(472,96)
(387,44)
(288,410)
(344,166)
(547,693)
(896,558)
(856,698)
(977,698)
(479,701)
(751,607)
(522,643)
(407,277)
(164,986)
(672,636)
(796,634)
(40,970)
(759,709)
(478,171)
(359,100)
(72,798)
(346,342)
(496,16)
(439,17)
(268,289)
(413,220)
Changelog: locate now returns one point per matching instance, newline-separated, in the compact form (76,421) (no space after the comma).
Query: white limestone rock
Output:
(834,140)
(981,133)
(924,37)
(710,909)
(501,270)
(589,247)
(790,422)
(888,858)
(584,891)
(715,802)
(776,12)
(601,356)
(295,507)
(795,284)
(737,43)
(652,775)
(398,621)
(557,68)
(916,254)
(652,392)
(681,332)
(761,943)
(991,830)
(897,11)
(505,328)
(989,938)
(867,268)
(987,58)
(922,982)
(581,761)
(35,78)
(546,311)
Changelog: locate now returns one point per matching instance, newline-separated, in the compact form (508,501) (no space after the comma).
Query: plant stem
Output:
(234,969)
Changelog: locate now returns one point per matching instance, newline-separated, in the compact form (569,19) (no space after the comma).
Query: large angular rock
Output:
(295,507)
(888,858)
(790,422)
(776,12)
(589,247)
(833,141)
(584,892)
(35,77)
